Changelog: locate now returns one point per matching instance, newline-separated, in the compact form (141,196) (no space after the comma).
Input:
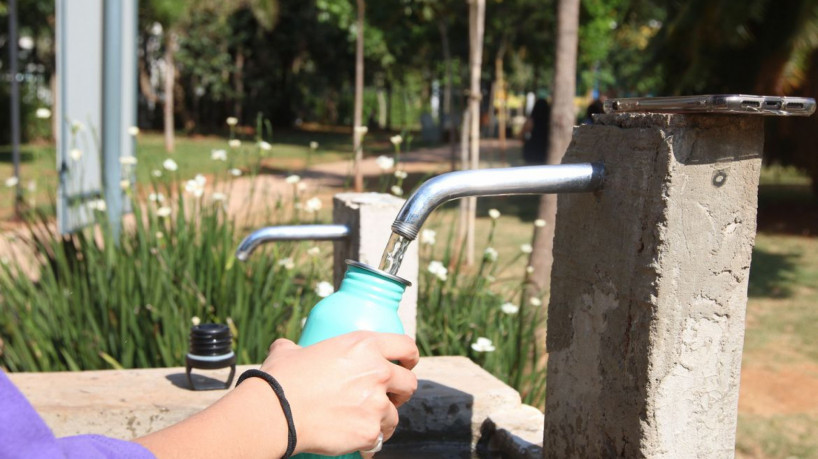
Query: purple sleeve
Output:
(23,434)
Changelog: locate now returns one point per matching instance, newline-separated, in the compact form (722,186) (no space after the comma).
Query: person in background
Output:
(535,133)
(594,108)
(341,395)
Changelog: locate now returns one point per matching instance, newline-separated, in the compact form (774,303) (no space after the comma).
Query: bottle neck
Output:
(370,284)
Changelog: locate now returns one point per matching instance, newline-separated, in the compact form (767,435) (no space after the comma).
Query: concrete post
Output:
(649,288)
(369,218)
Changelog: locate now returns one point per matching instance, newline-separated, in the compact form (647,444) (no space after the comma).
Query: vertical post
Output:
(15,101)
(368,217)
(649,288)
(118,102)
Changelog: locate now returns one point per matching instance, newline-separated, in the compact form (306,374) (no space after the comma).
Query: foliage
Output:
(459,308)
(131,301)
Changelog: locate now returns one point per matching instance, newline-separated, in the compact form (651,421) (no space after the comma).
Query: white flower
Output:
(292,179)
(509,308)
(313,205)
(163,212)
(324,289)
(218,197)
(75,154)
(127,160)
(234,143)
(156,173)
(97,204)
(396,190)
(490,254)
(26,42)
(494,214)
(526,248)
(482,345)
(200,179)
(235,172)
(170,165)
(12,181)
(125,184)
(539,223)
(156,197)
(362,130)
(195,320)
(232,121)
(396,139)
(218,155)
(313,145)
(535,301)
(265,146)
(43,113)
(437,268)
(529,269)
(427,237)
(287,263)
(160,235)
(313,251)
(194,187)
(385,162)
(133,131)
(301,186)
(399,174)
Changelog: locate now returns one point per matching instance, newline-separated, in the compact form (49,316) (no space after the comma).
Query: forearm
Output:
(246,423)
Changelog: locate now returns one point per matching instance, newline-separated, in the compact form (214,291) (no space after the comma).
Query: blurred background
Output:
(282,73)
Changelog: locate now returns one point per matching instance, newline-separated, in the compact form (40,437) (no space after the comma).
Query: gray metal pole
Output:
(112,131)
(15,102)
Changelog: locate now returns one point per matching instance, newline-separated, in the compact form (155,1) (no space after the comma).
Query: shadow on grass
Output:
(771,274)
(6,155)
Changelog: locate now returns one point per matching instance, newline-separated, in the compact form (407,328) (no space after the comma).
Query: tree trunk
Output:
(501,96)
(448,111)
(239,79)
(170,78)
(560,130)
(477,13)
(359,99)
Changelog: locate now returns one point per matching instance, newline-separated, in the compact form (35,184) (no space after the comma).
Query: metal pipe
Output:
(562,178)
(290,233)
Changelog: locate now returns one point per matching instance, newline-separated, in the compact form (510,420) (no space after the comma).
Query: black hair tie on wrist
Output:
(285,405)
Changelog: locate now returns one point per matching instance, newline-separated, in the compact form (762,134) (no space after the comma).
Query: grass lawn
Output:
(290,153)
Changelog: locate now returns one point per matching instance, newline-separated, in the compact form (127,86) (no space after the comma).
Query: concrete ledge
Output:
(455,396)
(517,432)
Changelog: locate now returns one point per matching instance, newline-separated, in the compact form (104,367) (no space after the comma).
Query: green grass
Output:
(290,152)
(778,437)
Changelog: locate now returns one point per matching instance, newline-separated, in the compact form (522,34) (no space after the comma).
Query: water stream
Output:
(393,254)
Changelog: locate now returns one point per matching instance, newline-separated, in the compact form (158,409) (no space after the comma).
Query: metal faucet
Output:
(290,233)
(563,178)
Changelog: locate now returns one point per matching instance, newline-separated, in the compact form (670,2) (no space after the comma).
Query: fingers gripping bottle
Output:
(367,300)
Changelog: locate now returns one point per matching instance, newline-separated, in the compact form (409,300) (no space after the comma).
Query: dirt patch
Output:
(790,389)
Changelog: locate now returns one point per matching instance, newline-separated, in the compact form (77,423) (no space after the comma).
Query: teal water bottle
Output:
(368,299)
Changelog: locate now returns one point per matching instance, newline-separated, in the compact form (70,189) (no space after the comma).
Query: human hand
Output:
(345,391)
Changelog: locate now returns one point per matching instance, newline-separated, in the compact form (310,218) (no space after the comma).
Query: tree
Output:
(357,133)
(560,130)
(477,12)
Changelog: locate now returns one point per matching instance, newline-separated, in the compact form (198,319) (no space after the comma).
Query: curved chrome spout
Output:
(290,233)
(562,178)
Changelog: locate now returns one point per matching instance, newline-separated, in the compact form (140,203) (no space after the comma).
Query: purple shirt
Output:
(24,434)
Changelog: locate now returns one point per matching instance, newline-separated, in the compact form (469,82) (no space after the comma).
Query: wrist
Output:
(267,421)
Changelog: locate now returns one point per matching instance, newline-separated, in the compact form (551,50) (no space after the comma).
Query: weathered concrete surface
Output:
(369,217)
(454,397)
(515,432)
(649,288)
